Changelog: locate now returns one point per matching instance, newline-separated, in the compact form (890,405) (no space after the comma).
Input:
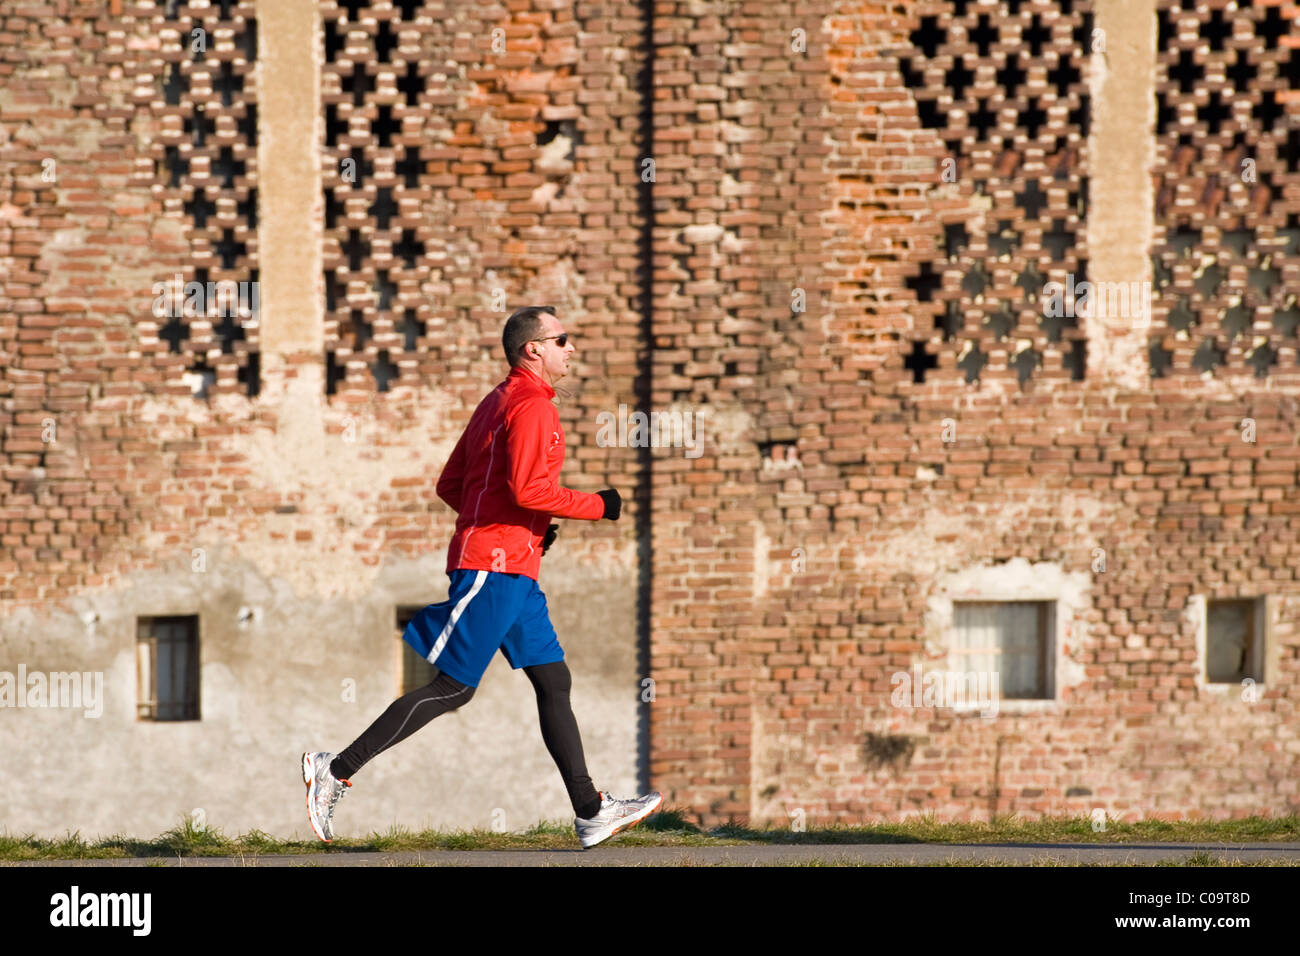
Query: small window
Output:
(1233,641)
(167,668)
(416,671)
(1009,638)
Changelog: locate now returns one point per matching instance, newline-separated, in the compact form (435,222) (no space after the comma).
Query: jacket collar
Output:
(533,379)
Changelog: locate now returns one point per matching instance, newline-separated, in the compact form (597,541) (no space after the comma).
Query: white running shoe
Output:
(323,792)
(615,816)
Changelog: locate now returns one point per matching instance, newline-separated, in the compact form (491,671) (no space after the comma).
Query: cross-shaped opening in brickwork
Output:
(412,329)
(1002,241)
(914,79)
(920,361)
(335,127)
(229,249)
(1214,113)
(250,374)
(175,86)
(1076,360)
(958,78)
(1264,280)
(334,373)
(1208,357)
(198,208)
(973,363)
(408,8)
(227,167)
(1159,359)
(176,166)
(409,248)
(1032,119)
(174,333)
(928,36)
(983,119)
(227,82)
(1268,111)
(385,42)
(1010,76)
(411,84)
(1081,116)
(246,209)
(1187,72)
(247,125)
(385,291)
(950,321)
(1208,282)
(1031,282)
(1237,320)
(198,126)
(359,84)
(1036,36)
(1287,321)
(1001,322)
(955,238)
(1082,34)
(975,281)
(383,370)
(356,249)
(1181,316)
(984,35)
(1216,29)
(230,332)
(409,167)
(1063,76)
(1058,240)
(384,126)
(1031,199)
(335,40)
(384,208)
(1024,362)
(925,283)
(361,330)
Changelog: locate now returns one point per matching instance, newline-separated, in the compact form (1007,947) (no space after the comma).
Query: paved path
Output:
(851,854)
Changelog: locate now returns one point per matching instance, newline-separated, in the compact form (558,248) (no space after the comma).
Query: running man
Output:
(502,480)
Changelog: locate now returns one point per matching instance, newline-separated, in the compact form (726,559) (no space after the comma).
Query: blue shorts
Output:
(484,611)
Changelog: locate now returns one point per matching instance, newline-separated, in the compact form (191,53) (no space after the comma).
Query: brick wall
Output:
(838,266)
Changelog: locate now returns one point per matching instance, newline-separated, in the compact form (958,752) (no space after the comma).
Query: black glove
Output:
(549,539)
(613,503)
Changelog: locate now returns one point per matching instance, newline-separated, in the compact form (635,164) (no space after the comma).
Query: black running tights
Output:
(406,715)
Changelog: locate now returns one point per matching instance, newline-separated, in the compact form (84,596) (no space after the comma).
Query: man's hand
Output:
(613,503)
(549,539)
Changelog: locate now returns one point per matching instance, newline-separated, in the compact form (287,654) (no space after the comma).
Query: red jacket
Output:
(503,480)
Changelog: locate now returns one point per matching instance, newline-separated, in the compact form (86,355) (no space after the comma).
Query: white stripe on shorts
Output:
(463,603)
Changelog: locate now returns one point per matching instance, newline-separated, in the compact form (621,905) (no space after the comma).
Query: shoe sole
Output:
(309,778)
(630,825)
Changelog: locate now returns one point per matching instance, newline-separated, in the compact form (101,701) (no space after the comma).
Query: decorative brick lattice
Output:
(1004,87)
(203,94)
(377,118)
(1226,257)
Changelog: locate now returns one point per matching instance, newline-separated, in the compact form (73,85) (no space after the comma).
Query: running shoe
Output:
(615,816)
(323,792)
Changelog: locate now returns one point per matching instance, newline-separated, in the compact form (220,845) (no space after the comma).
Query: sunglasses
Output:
(560,340)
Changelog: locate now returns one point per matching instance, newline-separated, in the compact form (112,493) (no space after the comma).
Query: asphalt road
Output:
(843,854)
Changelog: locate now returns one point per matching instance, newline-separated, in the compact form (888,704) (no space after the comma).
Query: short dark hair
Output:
(523,326)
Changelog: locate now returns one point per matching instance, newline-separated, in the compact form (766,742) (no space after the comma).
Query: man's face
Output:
(554,359)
